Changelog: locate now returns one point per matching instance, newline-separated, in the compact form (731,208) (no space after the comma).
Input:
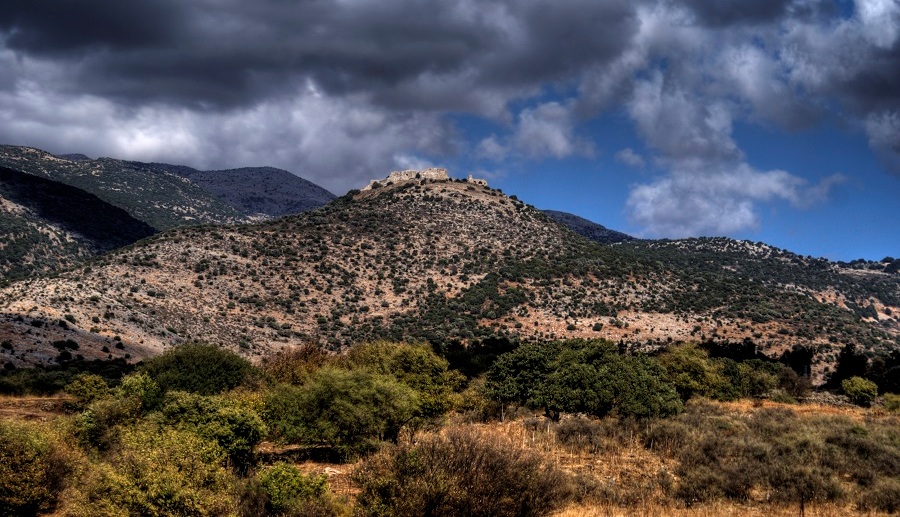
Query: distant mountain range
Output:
(166,196)
(588,229)
(263,191)
(60,210)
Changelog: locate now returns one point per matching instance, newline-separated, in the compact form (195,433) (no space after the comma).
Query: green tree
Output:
(86,388)
(347,410)
(198,368)
(235,428)
(689,369)
(861,391)
(416,366)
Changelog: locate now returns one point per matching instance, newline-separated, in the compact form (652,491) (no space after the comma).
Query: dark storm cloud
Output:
(336,89)
(61,27)
(227,54)
(721,13)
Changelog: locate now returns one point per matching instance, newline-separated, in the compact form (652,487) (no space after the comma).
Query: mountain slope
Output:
(46,225)
(258,190)
(588,229)
(439,261)
(157,197)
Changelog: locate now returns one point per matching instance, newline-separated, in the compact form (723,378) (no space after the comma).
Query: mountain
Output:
(157,197)
(46,225)
(258,190)
(445,262)
(588,229)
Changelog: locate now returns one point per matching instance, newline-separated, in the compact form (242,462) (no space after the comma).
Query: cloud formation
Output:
(342,91)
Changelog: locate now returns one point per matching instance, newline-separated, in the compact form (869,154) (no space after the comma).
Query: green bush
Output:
(462,473)
(234,428)
(33,469)
(589,377)
(140,388)
(690,370)
(350,411)
(84,389)
(157,471)
(99,424)
(892,402)
(198,368)
(416,366)
(860,391)
(282,489)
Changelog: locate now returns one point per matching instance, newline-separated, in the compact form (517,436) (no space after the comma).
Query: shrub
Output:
(416,366)
(142,389)
(582,377)
(861,391)
(33,470)
(462,473)
(157,471)
(882,496)
(234,428)
(689,369)
(198,368)
(283,490)
(350,411)
(97,426)
(892,402)
(293,366)
(84,389)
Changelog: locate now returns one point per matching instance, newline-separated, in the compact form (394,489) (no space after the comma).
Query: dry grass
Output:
(32,408)
(719,509)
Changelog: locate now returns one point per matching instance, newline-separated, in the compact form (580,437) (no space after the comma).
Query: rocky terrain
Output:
(46,225)
(159,198)
(446,262)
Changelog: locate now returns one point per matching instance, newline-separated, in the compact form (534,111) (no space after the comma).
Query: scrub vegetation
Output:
(565,427)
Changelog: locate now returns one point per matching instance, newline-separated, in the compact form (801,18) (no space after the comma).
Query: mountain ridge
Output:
(444,262)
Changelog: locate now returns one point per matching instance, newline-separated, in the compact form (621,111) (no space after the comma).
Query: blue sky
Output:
(771,120)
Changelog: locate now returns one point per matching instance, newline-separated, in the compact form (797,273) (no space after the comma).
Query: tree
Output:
(349,411)
(860,390)
(690,370)
(198,368)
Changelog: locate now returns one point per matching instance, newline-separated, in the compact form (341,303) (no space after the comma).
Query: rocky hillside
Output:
(588,229)
(157,197)
(443,261)
(46,225)
(258,191)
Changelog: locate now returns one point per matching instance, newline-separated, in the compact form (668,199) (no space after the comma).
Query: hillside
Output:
(258,190)
(447,262)
(157,197)
(46,225)
(588,229)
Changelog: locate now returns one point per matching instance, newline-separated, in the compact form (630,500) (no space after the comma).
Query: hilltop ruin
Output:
(432,174)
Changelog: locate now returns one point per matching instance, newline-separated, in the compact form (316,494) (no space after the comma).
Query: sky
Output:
(768,120)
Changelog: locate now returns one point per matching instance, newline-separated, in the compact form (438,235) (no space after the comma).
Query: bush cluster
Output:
(464,472)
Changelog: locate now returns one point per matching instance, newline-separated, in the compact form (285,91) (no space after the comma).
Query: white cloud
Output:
(719,202)
(688,130)
(630,158)
(883,130)
(339,143)
(549,130)
(491,148)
